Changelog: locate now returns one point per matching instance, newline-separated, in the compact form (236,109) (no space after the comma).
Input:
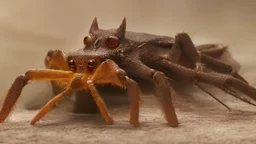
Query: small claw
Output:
(236,75)
(213,97)
(229,91)
(33,122)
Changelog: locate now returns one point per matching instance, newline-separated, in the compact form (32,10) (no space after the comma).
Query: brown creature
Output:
(170,63)
(108,55)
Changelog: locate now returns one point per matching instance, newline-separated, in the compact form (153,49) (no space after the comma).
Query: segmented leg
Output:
(233,93)
(102,107)
(44,110)
(118,77)
(184,42)
(216,79)
(212,50)
(84,103)
(75,84)
(164,90)
(200,87)
(221,67)
(21,81)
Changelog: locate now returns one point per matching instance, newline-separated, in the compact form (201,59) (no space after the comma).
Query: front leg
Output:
(109,73)
(164,91)
(97,98)
(84,103)
(21,81)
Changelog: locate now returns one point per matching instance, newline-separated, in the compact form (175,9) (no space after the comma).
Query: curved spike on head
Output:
(121,30)
(94,25)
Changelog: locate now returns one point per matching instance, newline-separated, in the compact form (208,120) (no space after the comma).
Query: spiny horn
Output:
(121,29)
(94,26)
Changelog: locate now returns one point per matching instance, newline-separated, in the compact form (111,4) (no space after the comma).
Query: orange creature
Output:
(93,74)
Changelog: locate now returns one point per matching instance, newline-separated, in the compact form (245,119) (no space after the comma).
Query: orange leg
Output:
(21,81)
(44,110)
(117,76)
(102,107)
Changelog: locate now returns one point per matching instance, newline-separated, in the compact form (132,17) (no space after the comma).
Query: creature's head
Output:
(76,61)
(105,39)
(97,44)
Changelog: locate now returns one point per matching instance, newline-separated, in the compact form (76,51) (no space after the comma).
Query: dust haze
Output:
(28,29)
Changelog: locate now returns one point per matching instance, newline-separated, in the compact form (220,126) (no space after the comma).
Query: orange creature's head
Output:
(77,61)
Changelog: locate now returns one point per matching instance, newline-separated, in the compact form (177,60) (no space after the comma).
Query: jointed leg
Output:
(164,91)
(212,50)
(116,76)
(21,81)
(221,67)
(44,110)
(200,87)
(233,93)
(184,42)
(102,107)
(56,59)
(216,79)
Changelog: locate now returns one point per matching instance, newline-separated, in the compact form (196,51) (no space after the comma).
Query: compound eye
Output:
(91,63)
(87,40)
(72,64)
(112,42)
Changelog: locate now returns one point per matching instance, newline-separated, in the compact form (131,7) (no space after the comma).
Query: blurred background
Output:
(29,28)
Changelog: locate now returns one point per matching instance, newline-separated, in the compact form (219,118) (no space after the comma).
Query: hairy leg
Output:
(102,107)
(21,81)
(45,109)
(84,103)
(118,77)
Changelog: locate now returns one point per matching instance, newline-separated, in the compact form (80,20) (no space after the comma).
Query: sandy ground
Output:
(202,120)
(28,29)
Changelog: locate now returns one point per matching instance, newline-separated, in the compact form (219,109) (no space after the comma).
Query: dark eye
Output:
(112,42)
(91,63)
(87,40)
(72,64)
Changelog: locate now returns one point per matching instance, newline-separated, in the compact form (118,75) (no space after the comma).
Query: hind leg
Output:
(212,50)
(184,42)
(216,79)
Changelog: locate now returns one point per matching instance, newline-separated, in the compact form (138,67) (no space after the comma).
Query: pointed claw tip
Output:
(33,122)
